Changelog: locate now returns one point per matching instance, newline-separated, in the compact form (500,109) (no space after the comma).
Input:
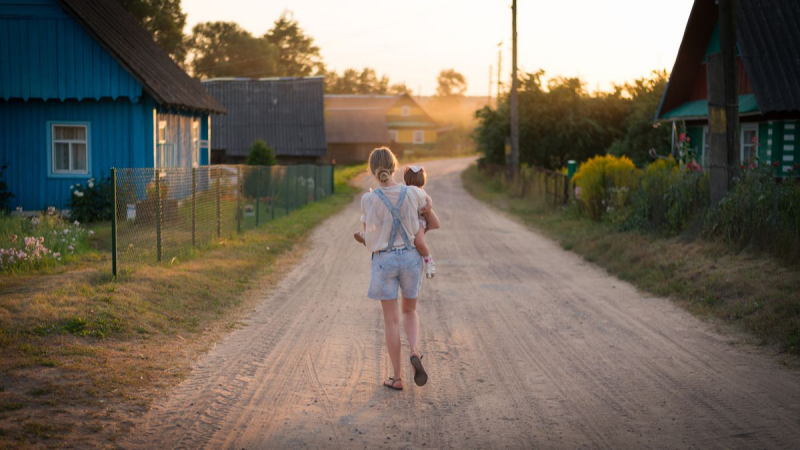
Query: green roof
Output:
(699,108)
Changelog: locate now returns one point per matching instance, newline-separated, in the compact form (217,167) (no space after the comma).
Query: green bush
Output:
(5,195)
(92,203)
(261,155)
(761,212)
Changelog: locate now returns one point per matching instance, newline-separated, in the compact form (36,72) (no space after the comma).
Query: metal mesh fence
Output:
(160,214)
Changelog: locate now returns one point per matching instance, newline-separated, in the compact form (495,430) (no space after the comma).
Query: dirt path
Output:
(526,345)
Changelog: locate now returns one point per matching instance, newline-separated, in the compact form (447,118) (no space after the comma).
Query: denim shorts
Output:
(392,270)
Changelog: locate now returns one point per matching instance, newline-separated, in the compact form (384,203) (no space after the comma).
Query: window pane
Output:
(61,157)
(79,157)
(74,133)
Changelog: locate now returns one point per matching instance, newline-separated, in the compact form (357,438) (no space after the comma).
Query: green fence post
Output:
(114,224)
(219,206)
(194,206)
(158,215)
(572,166)
(296,186)
(258,192)
(333,185)
(316,181)
(239,199)
(286,177)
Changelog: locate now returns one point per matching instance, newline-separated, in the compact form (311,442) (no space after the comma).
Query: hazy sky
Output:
(602,41)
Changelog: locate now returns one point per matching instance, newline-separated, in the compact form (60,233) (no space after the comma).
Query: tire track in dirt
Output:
(526,346)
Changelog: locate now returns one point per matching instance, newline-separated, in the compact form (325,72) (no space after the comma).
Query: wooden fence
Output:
(554,188)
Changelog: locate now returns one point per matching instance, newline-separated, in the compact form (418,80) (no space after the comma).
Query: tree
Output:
(366,82)
(450,83)
(164,20)
(399,88)
(639,133)
(261,154)
(225,49)
(297,54)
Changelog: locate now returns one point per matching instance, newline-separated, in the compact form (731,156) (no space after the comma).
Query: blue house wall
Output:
(53,71)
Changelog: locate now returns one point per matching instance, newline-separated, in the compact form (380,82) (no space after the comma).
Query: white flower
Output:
(56,255)
(70,248)
(65,231)
(78,194)
(91,232)
(76,223)
(90,184)
(19,208)
(35,220)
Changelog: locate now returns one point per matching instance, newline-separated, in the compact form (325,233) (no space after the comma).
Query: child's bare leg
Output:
(419,243)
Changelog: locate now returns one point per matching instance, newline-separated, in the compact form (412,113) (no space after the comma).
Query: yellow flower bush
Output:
(596,178)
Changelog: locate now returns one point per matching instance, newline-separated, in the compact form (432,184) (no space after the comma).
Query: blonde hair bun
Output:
(382,164)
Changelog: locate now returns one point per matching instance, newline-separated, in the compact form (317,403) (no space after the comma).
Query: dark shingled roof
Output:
(122,36)
(356,126)
(287,113)
(768,34)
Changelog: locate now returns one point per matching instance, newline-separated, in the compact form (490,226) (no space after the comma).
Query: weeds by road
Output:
(80,352)
(748,291)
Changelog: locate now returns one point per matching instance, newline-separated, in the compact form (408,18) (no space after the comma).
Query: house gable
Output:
(48,55)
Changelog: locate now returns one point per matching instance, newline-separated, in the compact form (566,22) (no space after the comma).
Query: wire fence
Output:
(160,214)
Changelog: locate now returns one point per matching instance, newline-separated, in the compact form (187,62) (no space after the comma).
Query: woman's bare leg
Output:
(419,243)
(411,323)
(391,326)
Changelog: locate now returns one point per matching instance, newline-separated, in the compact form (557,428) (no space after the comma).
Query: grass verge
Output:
(80,353)
(748,291)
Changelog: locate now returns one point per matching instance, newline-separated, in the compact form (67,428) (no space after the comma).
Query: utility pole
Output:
(499,68)
(514,109)
(723,106)
(489,101)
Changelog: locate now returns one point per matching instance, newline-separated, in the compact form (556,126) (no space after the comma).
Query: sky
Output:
(601,41)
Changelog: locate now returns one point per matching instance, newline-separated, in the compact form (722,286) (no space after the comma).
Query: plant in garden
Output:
(93,202)
(28,243)
(261,154)
(596,177)
(5,195)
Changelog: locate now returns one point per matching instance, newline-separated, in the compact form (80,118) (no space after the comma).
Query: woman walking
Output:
(390,215)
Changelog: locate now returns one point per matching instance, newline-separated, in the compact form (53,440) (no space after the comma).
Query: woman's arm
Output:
(430,216)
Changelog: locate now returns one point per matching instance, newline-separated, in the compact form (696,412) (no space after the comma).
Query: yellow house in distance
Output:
(355,124)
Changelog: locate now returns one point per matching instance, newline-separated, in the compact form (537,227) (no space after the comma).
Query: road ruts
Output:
(526,345)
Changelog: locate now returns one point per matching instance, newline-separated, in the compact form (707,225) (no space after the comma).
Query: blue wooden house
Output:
(84,88)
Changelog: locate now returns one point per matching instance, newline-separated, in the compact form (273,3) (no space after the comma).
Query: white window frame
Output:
(195,142)
(405,111)
(421,134)
(744,128)
(393,136)
(51,157)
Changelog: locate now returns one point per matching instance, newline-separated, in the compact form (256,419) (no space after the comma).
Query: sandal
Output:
(420,377)
(393,384)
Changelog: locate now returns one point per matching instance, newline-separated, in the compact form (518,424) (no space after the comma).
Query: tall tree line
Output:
(560,121)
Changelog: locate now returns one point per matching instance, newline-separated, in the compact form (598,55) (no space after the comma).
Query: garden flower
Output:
(71,248)
(76,223)
(776,164)
(51,210)
(35,220)
(91,232)
(77,193)
(12,238)
(56,255)
(90,184)
(19,208)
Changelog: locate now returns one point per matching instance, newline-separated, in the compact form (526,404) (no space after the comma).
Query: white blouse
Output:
(378,219)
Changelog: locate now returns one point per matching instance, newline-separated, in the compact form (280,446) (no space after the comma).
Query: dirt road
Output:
(526,346)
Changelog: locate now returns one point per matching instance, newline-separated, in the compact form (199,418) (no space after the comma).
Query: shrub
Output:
(760,211)
(5,195)
(93,202)
(261,154)
(37,241)
(595,179)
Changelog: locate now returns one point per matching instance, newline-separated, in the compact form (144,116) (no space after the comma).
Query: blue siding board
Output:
(69,53)
(61,70)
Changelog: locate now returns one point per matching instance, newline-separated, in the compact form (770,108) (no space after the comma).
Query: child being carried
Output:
(415,176)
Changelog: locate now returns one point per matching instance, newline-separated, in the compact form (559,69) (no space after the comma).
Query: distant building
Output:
(356,124)
(768,60)
(83,88)
(286,113)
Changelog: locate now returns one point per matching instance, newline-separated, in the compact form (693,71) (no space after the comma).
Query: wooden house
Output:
(84,88)
(286,113)
(768,61)
(355,124)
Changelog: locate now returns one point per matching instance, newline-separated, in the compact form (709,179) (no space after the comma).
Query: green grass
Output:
(751,292)
(116,340)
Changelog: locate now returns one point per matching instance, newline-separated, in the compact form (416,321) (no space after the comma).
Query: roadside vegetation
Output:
(80,352)
(707,262)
